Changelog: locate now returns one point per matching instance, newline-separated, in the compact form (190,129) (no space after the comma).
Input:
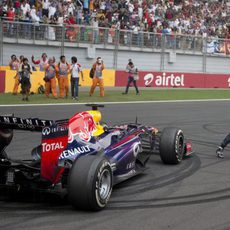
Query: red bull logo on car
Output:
(81,125)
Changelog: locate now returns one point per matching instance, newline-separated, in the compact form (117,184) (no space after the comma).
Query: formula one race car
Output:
(83,157)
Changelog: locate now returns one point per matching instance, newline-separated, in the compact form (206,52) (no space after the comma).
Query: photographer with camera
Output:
(132,77)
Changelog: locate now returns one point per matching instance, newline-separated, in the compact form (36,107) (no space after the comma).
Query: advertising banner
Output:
(176,80)
(2,81)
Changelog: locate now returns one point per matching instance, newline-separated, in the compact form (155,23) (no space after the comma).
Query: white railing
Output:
(111,36)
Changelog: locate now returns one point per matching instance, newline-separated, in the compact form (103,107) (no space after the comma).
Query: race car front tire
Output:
(171,145)
(90,183)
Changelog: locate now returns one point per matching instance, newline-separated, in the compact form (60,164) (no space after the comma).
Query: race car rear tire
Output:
(90,183)
(171,145)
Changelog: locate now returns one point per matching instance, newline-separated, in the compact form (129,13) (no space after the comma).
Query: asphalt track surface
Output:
(192,195)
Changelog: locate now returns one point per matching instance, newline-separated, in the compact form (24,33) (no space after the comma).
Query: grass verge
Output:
(116,96)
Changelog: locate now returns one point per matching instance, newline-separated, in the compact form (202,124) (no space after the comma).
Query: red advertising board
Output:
(176,80)
(2,81)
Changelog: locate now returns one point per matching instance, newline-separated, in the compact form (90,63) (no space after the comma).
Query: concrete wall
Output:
(145,59)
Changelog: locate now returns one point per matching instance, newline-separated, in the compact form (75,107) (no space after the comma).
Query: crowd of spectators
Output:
(193,17)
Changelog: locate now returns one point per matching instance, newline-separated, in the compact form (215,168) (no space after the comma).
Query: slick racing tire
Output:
(171,145)
(90,183)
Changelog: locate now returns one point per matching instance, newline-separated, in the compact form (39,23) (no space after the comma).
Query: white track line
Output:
(114,103)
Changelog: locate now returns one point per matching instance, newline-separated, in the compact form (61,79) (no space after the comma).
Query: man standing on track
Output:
(75,70)
(25,79)
(14,65)
(98,67)
(50,78)
(42,62)
(132,71)
(63,69)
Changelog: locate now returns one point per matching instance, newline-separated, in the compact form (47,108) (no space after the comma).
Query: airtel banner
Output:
(176,80)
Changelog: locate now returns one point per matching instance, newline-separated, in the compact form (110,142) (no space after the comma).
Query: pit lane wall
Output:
(119,79)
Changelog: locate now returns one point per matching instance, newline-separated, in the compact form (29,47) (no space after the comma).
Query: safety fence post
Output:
(204,69)
(116,47)
(63,40)
(162,63)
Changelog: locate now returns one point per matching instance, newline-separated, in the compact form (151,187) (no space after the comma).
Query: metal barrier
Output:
(164,45)
(111,36)
(88,34)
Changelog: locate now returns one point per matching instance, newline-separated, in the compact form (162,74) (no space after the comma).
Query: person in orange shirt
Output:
(50,80)
(98,67)
(63,70)
(14,65)
(91,5)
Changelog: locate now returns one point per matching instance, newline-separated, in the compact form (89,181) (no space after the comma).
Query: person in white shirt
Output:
(75,70)
(25,7)
(52,10)
(45,8)
(34,16)
(95,29)
(71,8)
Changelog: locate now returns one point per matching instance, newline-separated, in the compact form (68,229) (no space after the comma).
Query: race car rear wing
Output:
(31,124)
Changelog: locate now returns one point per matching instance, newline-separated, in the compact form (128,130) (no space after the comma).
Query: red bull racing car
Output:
(83,157)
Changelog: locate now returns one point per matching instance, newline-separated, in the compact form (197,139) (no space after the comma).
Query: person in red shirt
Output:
(10,14)
(71,19)
(17,6)
(71,28)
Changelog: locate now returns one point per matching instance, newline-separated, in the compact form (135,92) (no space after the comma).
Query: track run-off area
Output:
(192,195)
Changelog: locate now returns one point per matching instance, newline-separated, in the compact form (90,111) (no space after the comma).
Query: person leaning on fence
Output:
(75,70)
(42,62)
(50,78)
(14,65)
(25,79)
(63,69)
(132,77)
(97,68)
